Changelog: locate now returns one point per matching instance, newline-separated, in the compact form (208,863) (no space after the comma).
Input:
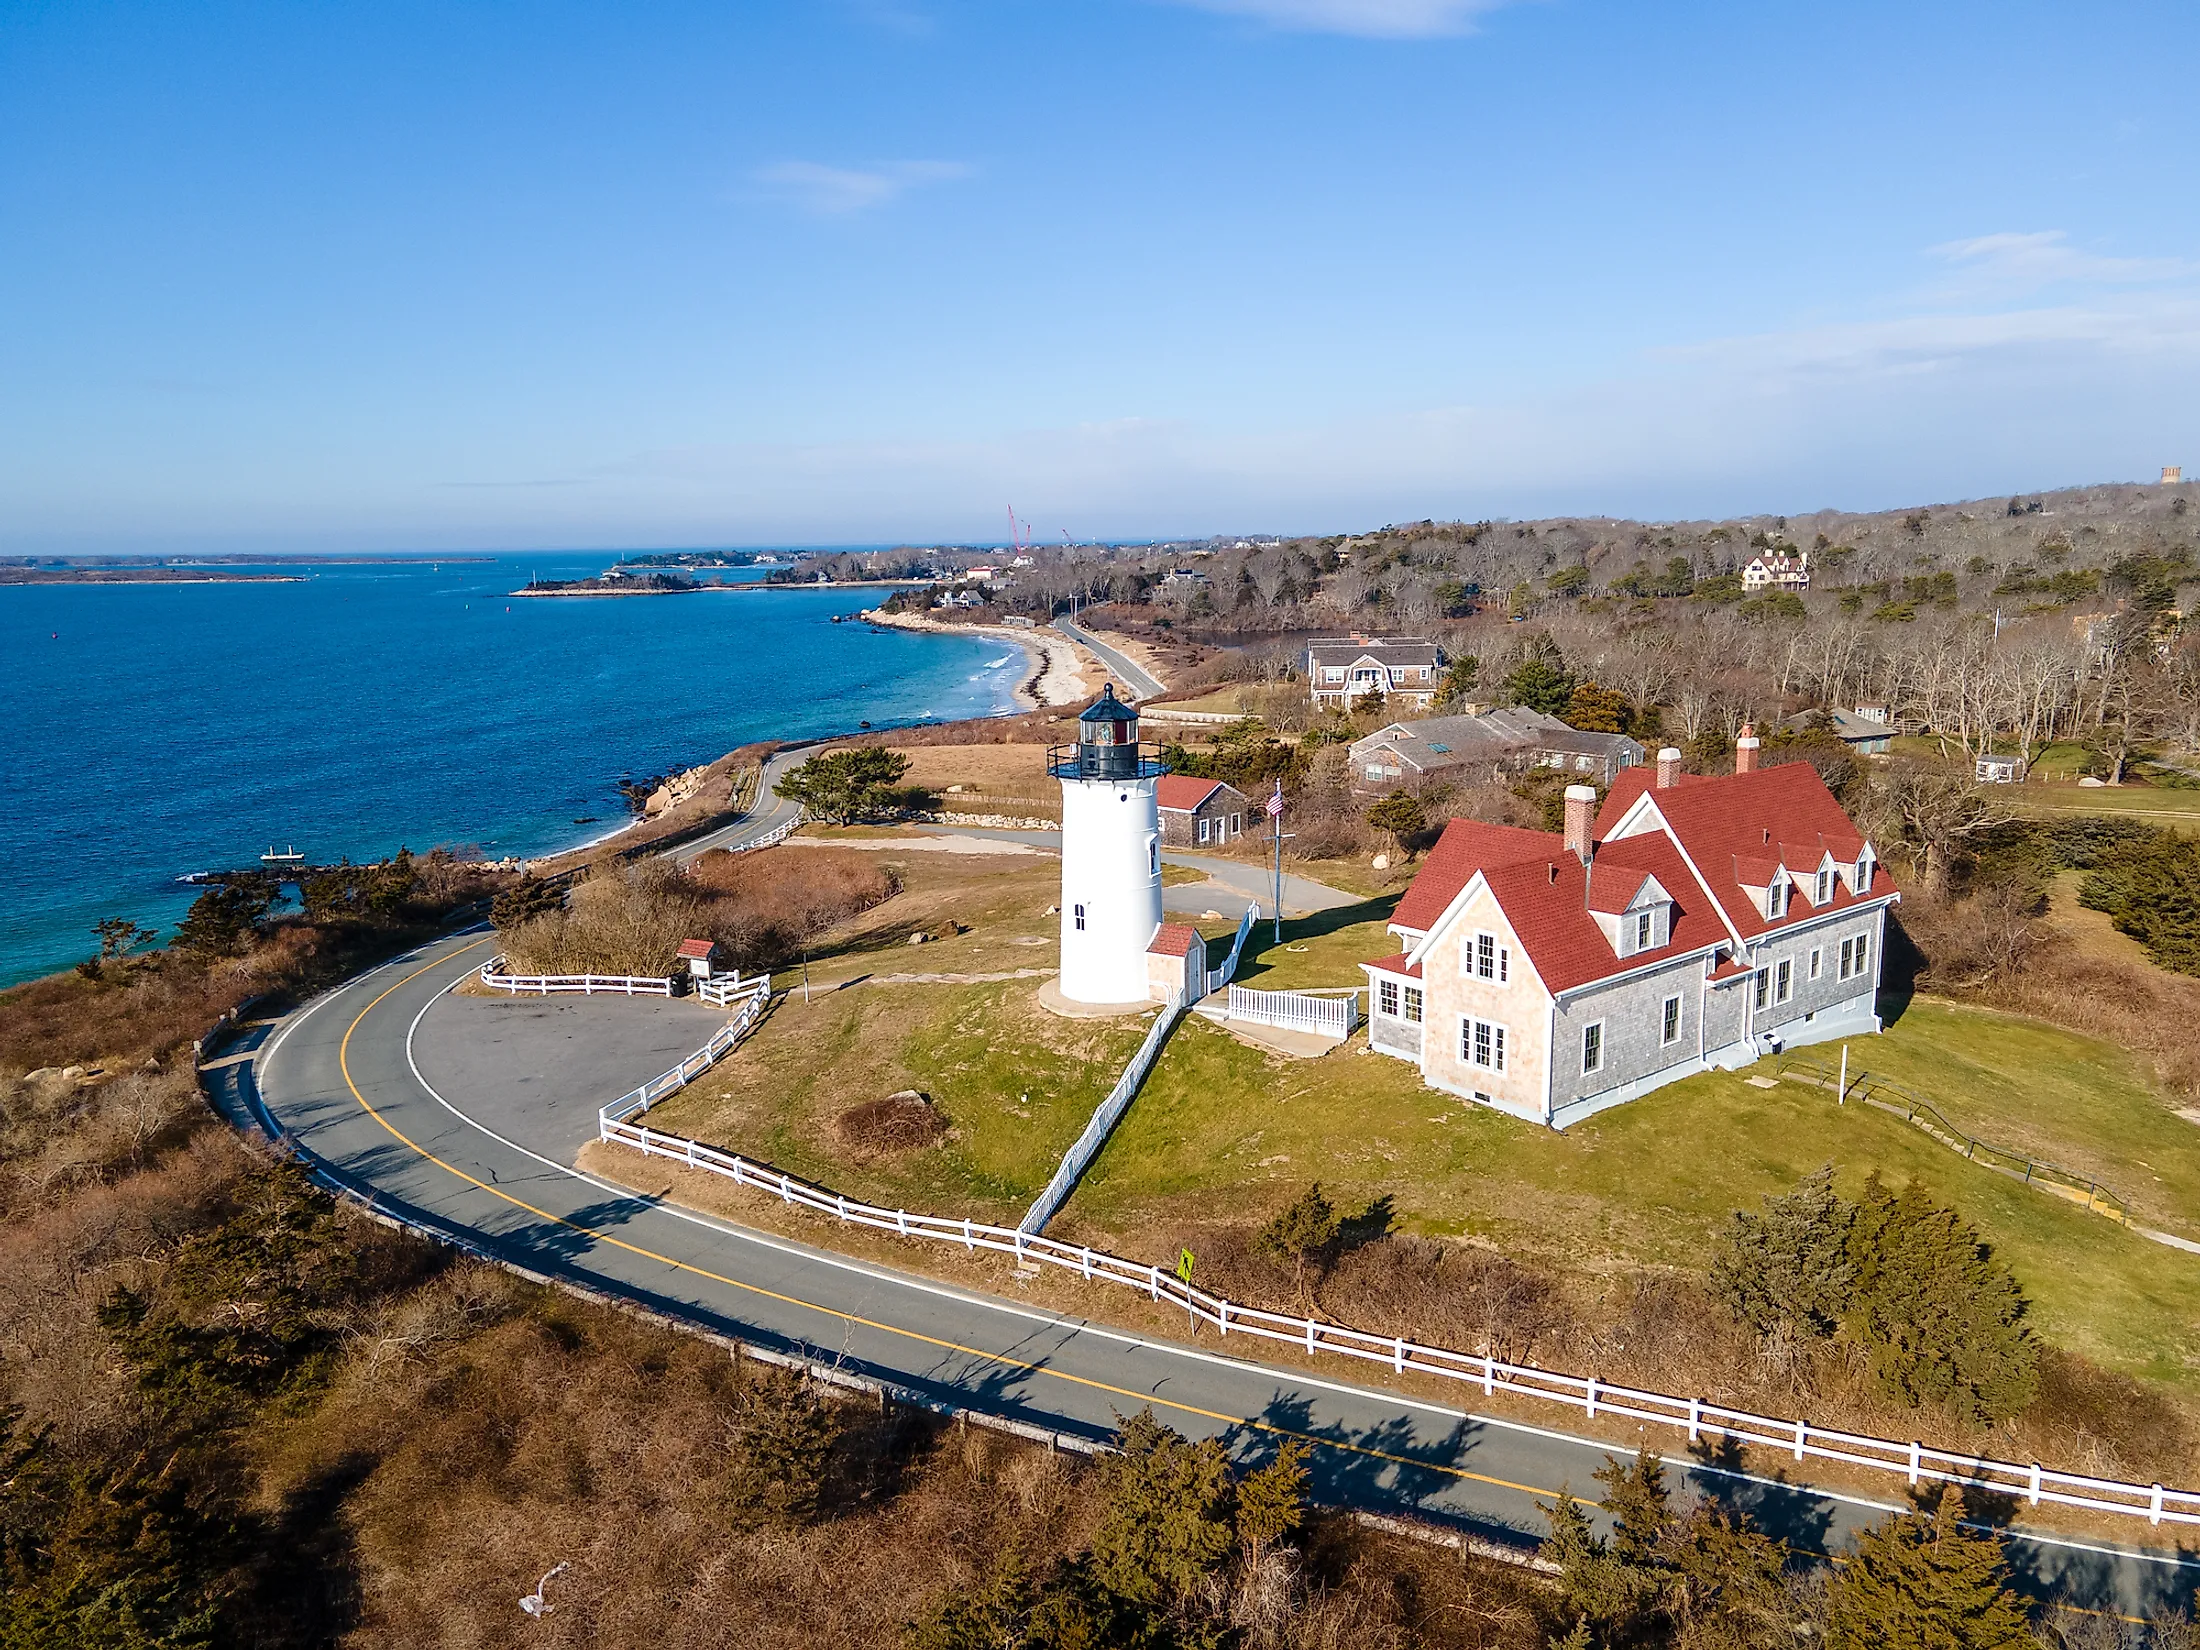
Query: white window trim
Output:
(1646,930)
(1671,1009)
(1386,999)
(1468,1025)
(1589,1068)
(1822,889)
(1204,827)
(1415,1005)
(1817,961)
(1783,980)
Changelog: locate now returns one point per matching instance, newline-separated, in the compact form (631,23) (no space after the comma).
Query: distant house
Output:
(1997,770)
(1500,740)
(1196,811)
(1778,572)
(1342,669)
(1178,576)
(1861,733)
(1692,923)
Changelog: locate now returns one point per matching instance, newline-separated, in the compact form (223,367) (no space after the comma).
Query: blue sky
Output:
(410,275)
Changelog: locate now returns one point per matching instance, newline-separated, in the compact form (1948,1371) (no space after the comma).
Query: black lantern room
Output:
(1107,744)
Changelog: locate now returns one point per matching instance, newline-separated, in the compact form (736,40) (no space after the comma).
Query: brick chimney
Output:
(1745,750)
(1669,768)
(1581,806)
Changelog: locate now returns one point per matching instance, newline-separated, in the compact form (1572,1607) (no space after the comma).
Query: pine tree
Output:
(1166,1525)
(1302,1232)
(1271,1500)
(1787,1273)
(1942,1319)
(782,1442)
(1922,1582)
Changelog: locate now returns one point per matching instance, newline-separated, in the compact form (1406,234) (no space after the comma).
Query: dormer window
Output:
(1646,925)
(1776,897)
(1824,890)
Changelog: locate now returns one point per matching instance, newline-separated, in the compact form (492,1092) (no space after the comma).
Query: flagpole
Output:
(1275,817)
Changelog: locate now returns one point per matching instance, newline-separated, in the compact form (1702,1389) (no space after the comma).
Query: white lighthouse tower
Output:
(1111,856)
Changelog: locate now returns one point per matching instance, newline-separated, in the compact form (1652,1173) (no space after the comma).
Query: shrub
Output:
(782,1442)
(1924,1582)
(898,1123)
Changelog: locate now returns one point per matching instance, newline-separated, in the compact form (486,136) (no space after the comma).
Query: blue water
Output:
(155,730)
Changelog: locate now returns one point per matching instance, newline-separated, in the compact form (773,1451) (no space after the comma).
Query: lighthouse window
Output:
(1153,857)
(1080,918)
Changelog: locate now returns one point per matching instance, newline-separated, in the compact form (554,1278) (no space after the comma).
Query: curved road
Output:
(488,1163)
(1138,682)
(768,815)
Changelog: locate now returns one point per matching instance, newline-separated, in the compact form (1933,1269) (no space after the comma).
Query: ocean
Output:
(152,731)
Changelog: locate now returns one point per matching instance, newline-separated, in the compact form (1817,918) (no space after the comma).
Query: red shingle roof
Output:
(1181,793)
(1395,965)
(1173,939)
(703,949)
(1466,846)
(1738,826)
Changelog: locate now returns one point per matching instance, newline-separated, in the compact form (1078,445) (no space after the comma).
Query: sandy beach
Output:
(1057,668)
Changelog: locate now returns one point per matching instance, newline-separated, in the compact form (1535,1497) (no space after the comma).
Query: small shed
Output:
(1997,770)
(1176,964)
(699,955)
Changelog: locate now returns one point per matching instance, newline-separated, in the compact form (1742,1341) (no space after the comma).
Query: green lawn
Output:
(1221,1125)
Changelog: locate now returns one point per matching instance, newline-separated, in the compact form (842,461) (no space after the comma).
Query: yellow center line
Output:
(343,1061)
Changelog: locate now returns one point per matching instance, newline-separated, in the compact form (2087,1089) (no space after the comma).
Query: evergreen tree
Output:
(1271,1501)
(1302,1232)
(1594,708)
(1541,681)
(1401,814)
(783,1438)
(1942,1320)
(1166,1525)
(842,786)
(1922,1582)
(225,921)
(1787,1273)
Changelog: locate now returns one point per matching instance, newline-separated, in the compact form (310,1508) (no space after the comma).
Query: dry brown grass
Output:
(896,1123)
(759,907)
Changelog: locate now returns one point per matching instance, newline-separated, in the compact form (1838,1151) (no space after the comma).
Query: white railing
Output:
(727,989)
(1102,1123)
(1217,978)
(636,1101)
(771,838)
(1915,1462)
(586,985)
(1296,1010)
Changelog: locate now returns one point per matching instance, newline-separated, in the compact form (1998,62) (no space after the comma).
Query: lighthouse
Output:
(1111,855)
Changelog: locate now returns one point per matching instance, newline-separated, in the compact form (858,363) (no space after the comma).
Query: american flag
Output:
(1275,802)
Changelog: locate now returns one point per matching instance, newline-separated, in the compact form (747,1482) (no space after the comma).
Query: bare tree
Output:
(1933,809)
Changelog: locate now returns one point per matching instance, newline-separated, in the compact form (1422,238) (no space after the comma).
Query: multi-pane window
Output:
(1646,923)
(1592,1047)
(1669,1024)
(1413,1004)
(1863,950)
(1080,917)
(1847,965)
(1203,828)
(1817,960)
(1824,890)
(1784,988)
(1482,1044)
(1763,980)
(1776,897)
(1386,997)
(1491,960)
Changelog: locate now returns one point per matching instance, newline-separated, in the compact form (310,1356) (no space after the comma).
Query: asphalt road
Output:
(1138,683)
(482,1159)
(769,814)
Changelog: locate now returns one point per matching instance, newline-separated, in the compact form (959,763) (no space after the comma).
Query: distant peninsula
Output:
(616,582)
(140,575)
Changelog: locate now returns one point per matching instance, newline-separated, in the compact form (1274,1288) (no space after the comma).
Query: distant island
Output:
(616,581)
(148,574)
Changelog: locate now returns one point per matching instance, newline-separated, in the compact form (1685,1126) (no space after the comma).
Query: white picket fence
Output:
(585,985)
(722,1043)
(1296,1011)
(1915,1462)
(1217,978)
(1102,1123)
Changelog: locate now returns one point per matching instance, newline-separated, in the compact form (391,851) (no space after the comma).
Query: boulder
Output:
(1380,862)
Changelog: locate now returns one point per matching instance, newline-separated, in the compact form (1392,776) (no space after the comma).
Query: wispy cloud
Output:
(1371,19)
(2047,256)
(836,191)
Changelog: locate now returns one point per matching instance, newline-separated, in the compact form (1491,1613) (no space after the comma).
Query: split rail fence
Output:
(636,1101)
(1217,978)
(1916,1463)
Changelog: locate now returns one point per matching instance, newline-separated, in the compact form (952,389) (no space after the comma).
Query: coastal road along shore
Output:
(767,816)
(1138,683)
(476,1158)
